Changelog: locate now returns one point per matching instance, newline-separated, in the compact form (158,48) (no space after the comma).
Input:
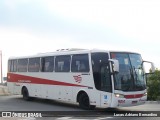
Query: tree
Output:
(153,83)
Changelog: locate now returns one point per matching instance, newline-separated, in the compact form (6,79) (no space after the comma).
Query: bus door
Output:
(106,86)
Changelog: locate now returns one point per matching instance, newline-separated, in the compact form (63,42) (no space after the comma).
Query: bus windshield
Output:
(131,74)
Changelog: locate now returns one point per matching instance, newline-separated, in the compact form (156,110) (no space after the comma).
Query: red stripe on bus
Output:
(133,96)
(34,80)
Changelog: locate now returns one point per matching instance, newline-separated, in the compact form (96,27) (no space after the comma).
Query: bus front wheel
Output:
(84,102)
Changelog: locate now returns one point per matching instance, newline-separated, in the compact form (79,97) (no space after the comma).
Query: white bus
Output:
(92,78)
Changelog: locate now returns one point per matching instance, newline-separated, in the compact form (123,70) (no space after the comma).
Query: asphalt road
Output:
(50,109)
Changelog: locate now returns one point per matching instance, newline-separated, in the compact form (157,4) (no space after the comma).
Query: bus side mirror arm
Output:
(115,65)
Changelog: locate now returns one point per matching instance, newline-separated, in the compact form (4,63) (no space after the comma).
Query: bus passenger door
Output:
(106,86)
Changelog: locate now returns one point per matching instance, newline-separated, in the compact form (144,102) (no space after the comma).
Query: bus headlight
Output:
(145,94)
(119,95)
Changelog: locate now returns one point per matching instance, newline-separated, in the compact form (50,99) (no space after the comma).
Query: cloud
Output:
(45,25)
(132,19)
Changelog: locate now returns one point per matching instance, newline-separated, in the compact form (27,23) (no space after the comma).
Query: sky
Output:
(28,27)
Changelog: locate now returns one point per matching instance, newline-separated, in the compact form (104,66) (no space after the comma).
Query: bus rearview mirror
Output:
(149,67)
(153,67)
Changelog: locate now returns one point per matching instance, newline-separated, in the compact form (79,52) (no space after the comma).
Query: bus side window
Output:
(80,63)
(12,65)
(47,64)
(62,63)
(9,65)
(34,65)
(22,65)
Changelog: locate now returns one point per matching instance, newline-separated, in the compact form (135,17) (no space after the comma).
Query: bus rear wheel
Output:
(25,94)
(84,102)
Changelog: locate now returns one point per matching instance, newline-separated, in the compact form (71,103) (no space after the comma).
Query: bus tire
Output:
(84,102)
(25,94)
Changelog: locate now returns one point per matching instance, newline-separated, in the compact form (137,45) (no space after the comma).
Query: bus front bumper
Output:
(123,102)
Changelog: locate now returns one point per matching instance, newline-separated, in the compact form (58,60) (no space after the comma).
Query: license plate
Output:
(134,102)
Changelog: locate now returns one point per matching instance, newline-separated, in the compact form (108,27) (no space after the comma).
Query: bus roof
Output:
(68,52)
